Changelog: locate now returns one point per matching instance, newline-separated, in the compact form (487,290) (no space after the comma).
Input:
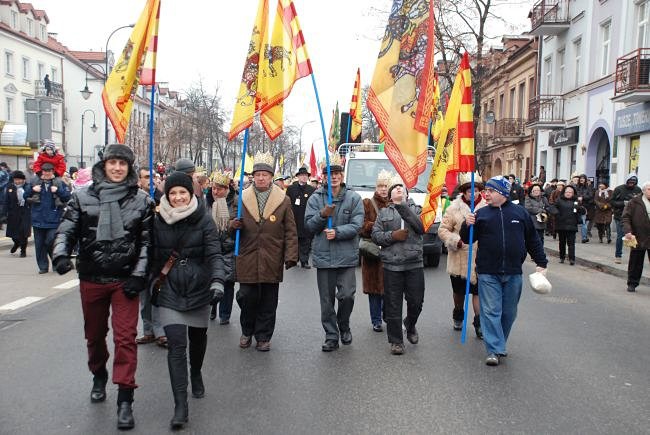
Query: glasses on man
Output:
(145,176)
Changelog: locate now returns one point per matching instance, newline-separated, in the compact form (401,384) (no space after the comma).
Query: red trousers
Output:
(97,301)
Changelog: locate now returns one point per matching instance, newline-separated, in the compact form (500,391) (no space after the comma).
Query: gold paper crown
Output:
(221,178)
(384,177)
(335,159)
(200,170)
(395,180)
(265,158)
(466,177)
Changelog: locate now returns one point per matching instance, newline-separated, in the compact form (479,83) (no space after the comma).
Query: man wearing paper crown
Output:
(457,251)
(222,202)
(335,252)
(268,240)
(298,193)
(399,231)
(505,234)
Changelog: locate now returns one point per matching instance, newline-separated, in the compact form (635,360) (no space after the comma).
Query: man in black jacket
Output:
(621,196)
(112,221)
(299,192)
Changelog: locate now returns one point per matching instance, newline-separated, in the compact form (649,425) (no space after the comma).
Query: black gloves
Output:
(289,264)
(327,211)
(133,286)
(236,224)
(400,235)
(62,265)
(217,292)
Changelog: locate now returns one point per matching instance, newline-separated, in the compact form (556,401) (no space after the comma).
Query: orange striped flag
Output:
(122,82)
(355,109)
(148,75)
(455,150)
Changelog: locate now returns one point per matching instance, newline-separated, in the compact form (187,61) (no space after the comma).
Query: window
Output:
(558,162)
(10,109)
(43,33)
(642,25)
(30,27)
(54,75)
(14,19)
(572,150)
(9,63)
(41,71)
(501,106)
(521,104)
(512,102)
(26,72)
(605,38)
(55,118)
(548,71)
(560,71)
(532,91)
(577,54)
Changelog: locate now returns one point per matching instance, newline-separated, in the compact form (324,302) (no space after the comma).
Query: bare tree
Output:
(370,128)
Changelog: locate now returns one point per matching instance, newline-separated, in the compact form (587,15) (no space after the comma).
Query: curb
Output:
(610,270)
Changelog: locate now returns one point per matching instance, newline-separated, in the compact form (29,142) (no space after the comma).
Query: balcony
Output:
(633,77)
(56,90)
(546,111)
(509,128)
(549,17)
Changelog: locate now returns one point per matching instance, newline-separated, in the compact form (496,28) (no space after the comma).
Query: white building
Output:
(574,114)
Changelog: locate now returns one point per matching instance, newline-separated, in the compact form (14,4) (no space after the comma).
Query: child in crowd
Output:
(49,154)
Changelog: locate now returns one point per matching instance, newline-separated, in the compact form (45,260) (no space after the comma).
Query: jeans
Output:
(258,303)
(540,233)
(225,306)
(583,226)
(567,238)
(43,244)
(149,315)
(499,296)
(619,238)
(409,285)
(304,249)
(336,284)
(376,304)
(635,266)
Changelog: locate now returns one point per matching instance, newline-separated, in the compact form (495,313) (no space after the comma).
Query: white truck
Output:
(363,161)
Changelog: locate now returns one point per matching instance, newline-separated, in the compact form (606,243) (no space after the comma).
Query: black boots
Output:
(198,389)
(213,311)
(177,363)
(180,410)
(458,315)
(477,327)
(124,409)
(198,344)
(98,392)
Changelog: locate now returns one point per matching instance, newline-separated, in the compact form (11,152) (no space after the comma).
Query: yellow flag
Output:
(356,121)
(122,82)
(245,106)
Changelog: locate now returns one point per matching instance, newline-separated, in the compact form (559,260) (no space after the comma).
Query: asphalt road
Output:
(578,363)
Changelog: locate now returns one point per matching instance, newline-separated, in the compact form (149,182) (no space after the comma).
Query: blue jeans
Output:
(375,302)
(583,226)
(499,295)
(225,306)
(619,238)
(43,244)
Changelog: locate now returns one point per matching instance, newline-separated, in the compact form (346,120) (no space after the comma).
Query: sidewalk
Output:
(599,256)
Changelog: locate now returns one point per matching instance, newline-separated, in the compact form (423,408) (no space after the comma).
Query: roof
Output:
(28,7)
(89,56)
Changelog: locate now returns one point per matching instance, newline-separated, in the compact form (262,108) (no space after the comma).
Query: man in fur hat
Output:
(112,221)
(268,241)
(299,193)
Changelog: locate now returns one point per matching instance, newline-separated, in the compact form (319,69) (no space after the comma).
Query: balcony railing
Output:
(633,72)
(550,12)
(546,110)
(55,92)
(510,127)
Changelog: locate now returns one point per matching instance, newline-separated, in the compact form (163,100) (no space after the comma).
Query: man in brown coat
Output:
(268,241)
(636,225)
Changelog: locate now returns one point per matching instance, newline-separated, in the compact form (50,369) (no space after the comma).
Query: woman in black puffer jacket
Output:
(183,229)
(568,212)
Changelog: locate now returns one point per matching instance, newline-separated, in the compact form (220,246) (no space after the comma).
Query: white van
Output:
(363,161)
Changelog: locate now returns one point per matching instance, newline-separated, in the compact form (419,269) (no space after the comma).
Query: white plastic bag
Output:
(539,283)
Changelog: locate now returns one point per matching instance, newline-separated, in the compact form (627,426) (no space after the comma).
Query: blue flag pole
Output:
(327,155)
(244,150)
(347,132)
(151,185)
(463,334)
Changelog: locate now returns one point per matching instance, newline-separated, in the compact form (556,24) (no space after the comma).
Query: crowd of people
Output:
(173,259)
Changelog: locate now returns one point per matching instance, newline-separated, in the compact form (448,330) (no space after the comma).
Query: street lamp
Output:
(93,128)
(85,92)
(300,137)
(106,76)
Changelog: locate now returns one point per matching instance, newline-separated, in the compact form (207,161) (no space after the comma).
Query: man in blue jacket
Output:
(505,234)
(335,253)
(47,197)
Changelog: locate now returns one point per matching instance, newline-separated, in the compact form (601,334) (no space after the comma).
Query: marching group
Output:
(172,257)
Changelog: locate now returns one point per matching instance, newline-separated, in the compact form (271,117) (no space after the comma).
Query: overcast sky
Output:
(208,40)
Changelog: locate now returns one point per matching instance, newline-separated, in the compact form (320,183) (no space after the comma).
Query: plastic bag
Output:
(539,283)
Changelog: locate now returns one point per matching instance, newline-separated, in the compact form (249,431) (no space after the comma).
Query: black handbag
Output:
(367,248)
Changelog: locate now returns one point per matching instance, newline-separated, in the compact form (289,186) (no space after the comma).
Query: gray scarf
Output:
(110,225)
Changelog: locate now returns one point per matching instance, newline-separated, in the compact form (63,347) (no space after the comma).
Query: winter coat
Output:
(517,193)
(199,264)
(567,214)
(266,242)
(19,220)
(107,260)
(47,211)
(622,194)
(372,274)
(399,255)
(299,195)
(504,235)
(449,233)
(603,208)
(536,206)
(343,251)
(57,160)
(635,220)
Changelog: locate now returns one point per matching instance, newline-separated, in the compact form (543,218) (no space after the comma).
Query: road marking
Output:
(68,284)
(23,302)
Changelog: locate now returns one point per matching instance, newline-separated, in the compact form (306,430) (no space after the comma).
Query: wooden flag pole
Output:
(244,150)
(463,335)
(327,155)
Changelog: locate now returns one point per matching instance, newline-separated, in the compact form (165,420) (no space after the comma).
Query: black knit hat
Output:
(178,179)
(18,174)
(119,151)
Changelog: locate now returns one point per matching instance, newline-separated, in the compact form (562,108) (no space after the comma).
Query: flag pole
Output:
(463,334)
(151,123)
(347,132)
(327,155)
(244,150)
